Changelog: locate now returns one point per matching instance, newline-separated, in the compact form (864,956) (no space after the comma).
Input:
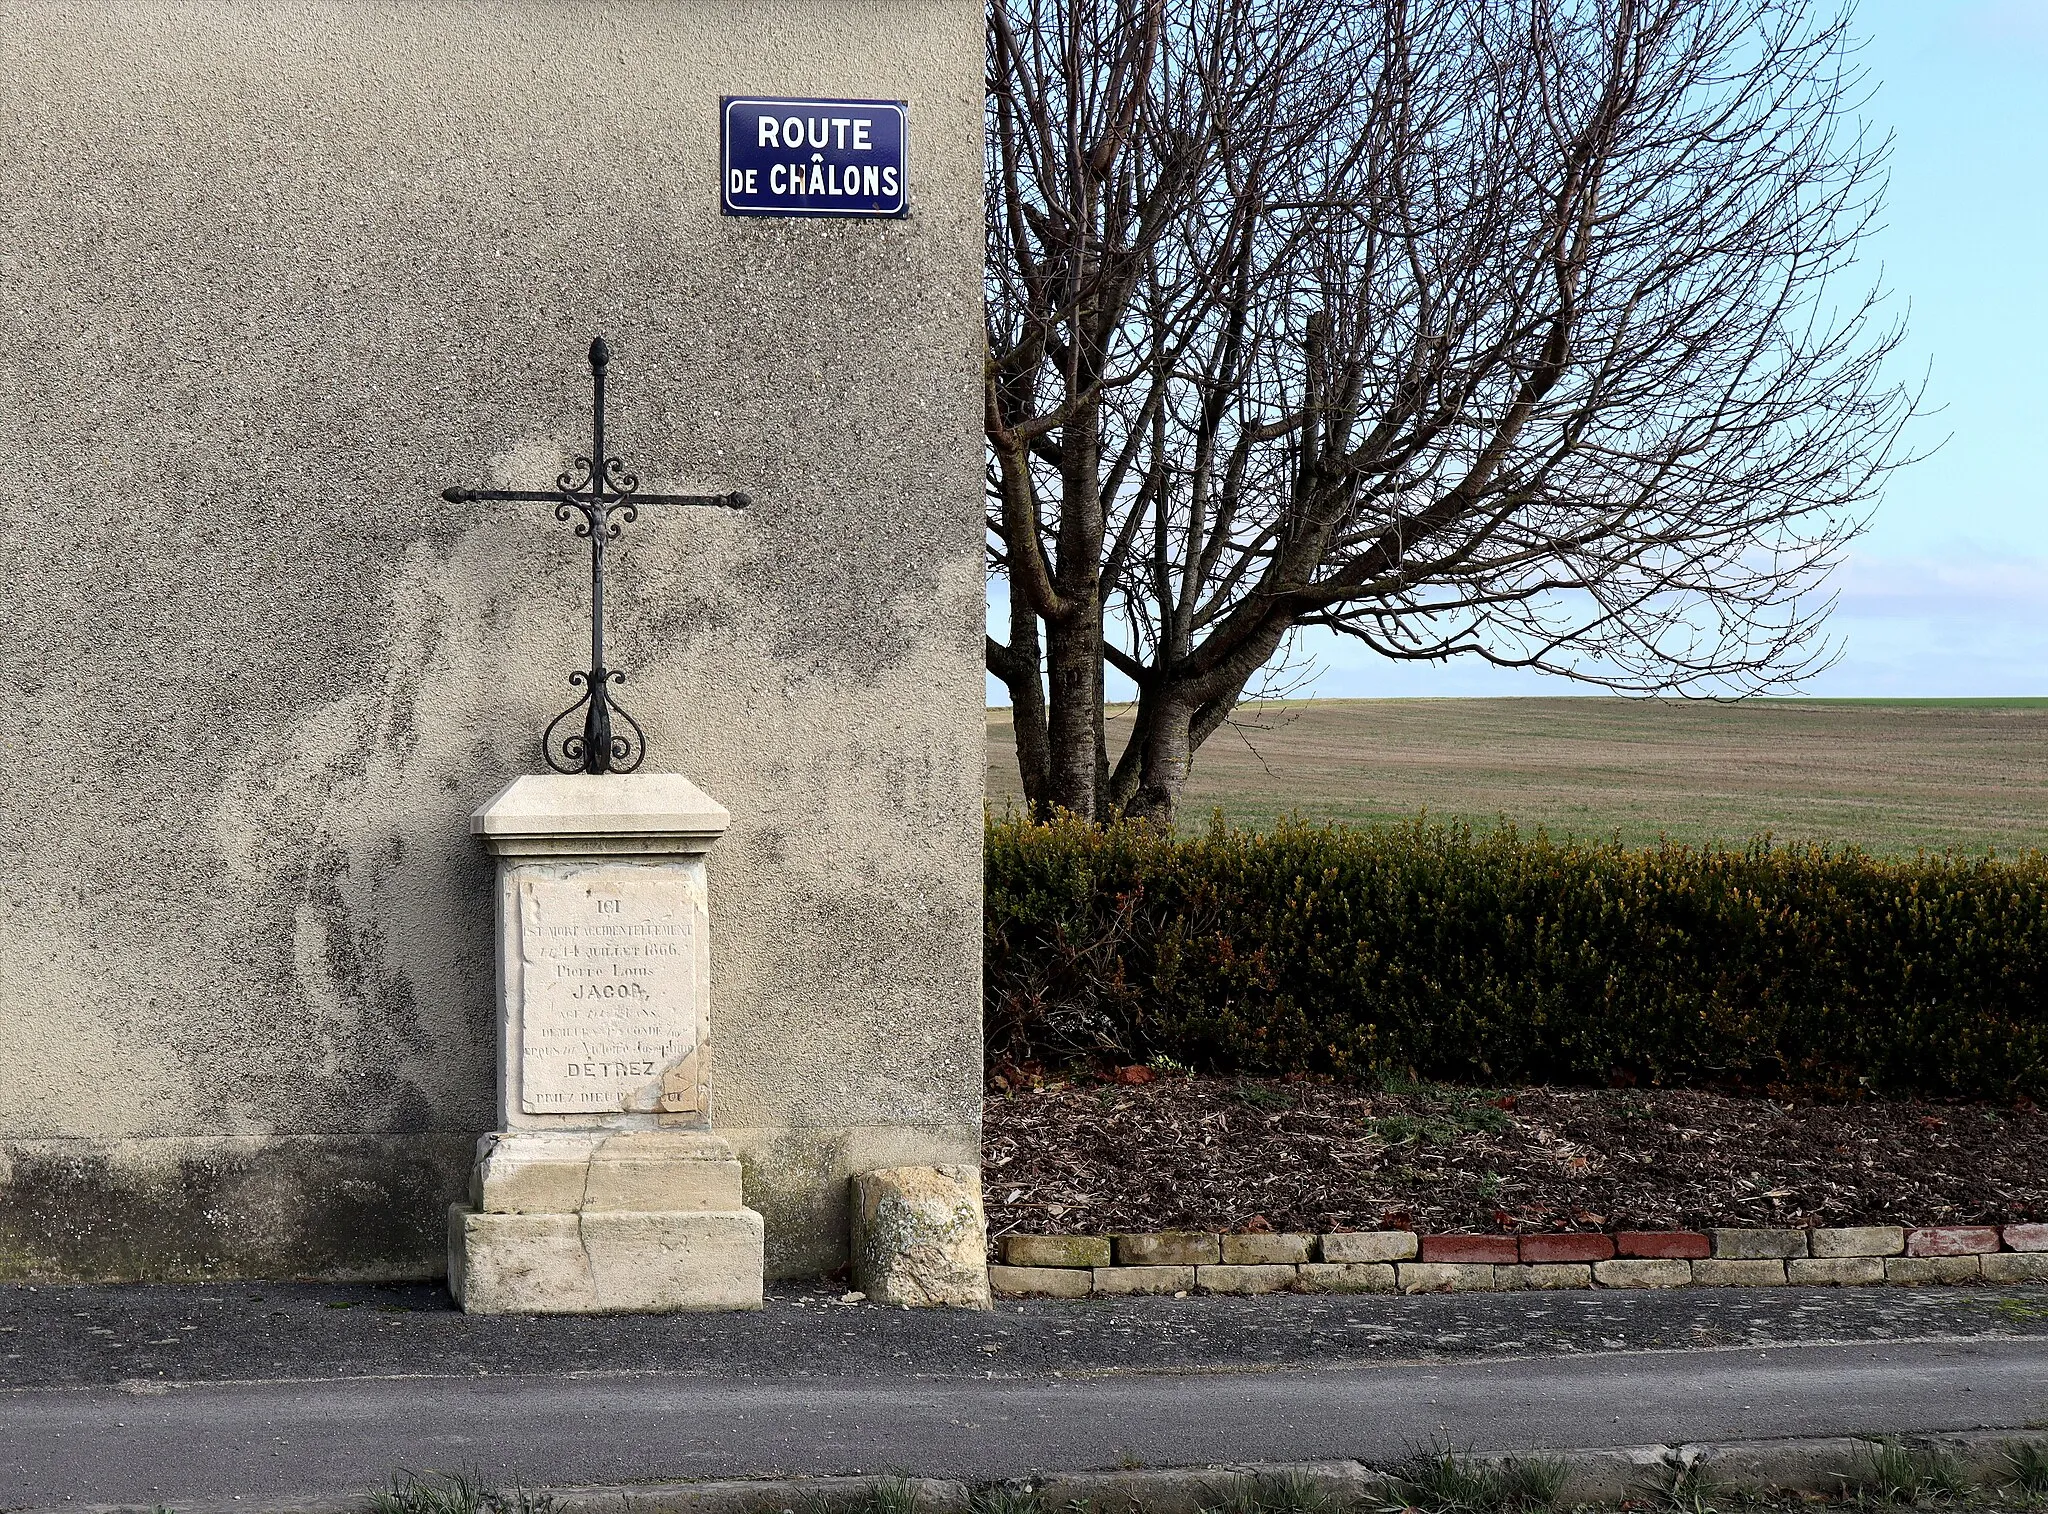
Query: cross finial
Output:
(605,496)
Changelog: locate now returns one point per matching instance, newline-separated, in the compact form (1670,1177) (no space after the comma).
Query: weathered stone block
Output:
(1907,1270)
(1346,1277)
(1662,1245)
(659,1171)
(1126,1281)
(1749,1272)
(1168,1248)
(919,1237)
(1758,1245)
(1055,1250)
(674,1262)
(672,1171)
(1952,1240)
(2026,1237)
(1255,1250)
(1859,1240)
(1369,1246)
(604,1263)
(1842,1271)
(1252,1278)
(1446,1277)
(662,1186)
(1559,1274)
(545,1176)
(518,1263)
(1040,1282)
(1646,1272)
(2015,1267)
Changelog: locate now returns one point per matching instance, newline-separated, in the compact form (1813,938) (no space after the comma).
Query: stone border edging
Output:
(1400,1261)
(1604,1475)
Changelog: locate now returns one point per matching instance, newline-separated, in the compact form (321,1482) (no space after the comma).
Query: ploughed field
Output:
(1889,776)
(1217,1154)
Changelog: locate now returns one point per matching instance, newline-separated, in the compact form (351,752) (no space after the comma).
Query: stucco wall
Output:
(271,275)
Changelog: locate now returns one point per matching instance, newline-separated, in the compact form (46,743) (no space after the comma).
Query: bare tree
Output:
(1509,328)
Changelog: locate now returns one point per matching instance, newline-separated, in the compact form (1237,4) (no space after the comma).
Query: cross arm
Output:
(733,501)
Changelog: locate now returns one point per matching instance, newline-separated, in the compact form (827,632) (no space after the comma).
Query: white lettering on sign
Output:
(608,1000)
(816,131)
(826,179)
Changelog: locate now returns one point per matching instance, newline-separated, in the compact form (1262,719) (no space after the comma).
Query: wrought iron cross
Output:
(606,496)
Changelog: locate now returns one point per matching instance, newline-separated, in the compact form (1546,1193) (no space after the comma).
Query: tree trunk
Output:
(1025,679)
(1074,678)
(1172,725)
(1074,637)
(1165,751)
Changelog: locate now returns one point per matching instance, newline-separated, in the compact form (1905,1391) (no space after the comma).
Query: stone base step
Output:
(565,1172)
(604,1261)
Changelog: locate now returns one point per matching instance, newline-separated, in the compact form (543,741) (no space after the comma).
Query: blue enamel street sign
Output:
(815,157)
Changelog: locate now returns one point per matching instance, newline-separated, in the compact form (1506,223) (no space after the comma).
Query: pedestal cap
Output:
(637,814)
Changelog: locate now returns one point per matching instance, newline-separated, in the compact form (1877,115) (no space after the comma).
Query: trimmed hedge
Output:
(1497,957)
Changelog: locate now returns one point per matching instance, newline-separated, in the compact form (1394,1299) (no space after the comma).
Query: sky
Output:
(1947,594)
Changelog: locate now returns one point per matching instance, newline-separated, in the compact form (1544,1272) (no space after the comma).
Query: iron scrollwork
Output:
(599,495)
(615,751)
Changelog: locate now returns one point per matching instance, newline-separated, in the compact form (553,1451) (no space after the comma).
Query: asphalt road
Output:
(308,1391)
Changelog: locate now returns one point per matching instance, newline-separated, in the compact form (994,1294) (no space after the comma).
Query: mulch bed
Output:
(1304,1155)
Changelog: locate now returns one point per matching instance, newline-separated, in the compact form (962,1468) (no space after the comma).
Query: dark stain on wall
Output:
(170,1211)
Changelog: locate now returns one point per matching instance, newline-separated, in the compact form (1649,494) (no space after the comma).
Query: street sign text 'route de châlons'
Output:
(784,157)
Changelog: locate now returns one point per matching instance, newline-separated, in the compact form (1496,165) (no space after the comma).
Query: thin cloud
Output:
(1967,585)
(2008,21)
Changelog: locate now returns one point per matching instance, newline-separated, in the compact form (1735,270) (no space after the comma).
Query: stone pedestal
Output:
(604,1189)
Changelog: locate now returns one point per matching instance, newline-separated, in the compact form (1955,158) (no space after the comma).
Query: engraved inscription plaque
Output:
(608,991)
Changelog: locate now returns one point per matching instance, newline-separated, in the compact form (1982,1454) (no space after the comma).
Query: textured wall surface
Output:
(271,275)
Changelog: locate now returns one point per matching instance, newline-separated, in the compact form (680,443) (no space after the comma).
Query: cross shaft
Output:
(607,497)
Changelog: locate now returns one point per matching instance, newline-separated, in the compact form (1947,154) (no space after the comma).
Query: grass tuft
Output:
(1901,1474)
(455,1493)
(1002,1500)
(1261,1097)
(1692,1490)
(1446,1113)
(893,1494)
(1443,1482)
(2029,1462)
(1287,1493)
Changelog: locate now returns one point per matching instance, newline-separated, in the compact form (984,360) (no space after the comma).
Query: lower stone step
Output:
(605,1261)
